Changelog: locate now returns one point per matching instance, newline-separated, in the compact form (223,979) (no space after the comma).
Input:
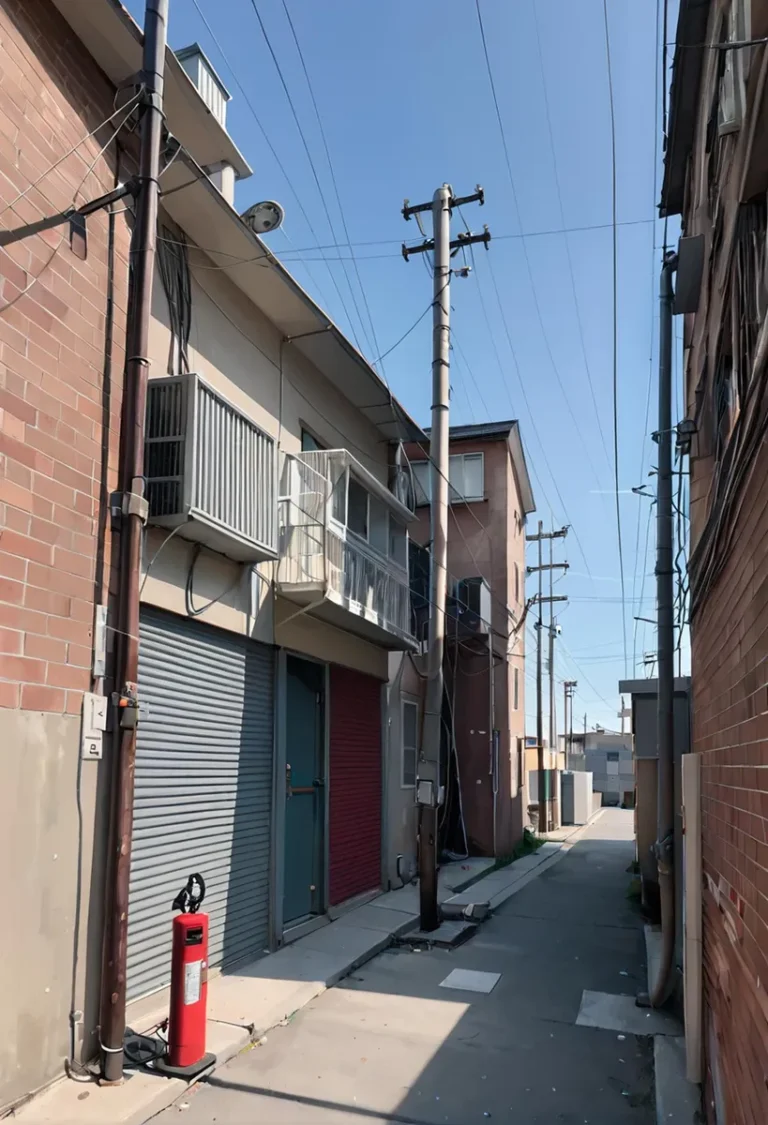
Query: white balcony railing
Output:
(327,567)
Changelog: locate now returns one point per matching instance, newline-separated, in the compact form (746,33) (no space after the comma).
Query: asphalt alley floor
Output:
(389,1044)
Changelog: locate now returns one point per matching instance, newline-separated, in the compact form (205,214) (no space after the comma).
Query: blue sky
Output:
(405,102)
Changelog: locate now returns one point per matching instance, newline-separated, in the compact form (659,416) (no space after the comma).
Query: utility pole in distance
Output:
(552,635)
(429,788)
(568,688)
(540,599)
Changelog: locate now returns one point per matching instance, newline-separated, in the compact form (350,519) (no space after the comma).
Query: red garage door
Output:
(354,784)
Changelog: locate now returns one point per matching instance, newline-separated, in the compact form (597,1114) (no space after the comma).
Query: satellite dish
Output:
(263,217)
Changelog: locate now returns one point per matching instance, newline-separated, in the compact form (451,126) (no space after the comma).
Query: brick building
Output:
(62,328)
(716,177)
(490,500)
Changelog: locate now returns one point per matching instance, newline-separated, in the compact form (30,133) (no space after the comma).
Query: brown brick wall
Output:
(53,399)
(730,730)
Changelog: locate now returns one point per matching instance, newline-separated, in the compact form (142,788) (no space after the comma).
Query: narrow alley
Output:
(391,1043)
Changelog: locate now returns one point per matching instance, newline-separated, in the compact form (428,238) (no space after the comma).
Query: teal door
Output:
(304,791)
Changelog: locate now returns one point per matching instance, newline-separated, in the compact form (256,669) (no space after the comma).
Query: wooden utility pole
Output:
(429,788)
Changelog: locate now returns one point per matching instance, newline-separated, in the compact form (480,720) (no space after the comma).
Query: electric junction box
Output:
(94,725)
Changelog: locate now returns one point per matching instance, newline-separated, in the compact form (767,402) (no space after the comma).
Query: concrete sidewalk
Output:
(489,1030)
(242,1006)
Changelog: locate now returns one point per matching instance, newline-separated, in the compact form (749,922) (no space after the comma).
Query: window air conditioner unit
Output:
(210,471)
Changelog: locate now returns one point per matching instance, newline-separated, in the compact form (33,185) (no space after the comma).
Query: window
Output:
(410,744)
(612,756)
(466,476)
(309,443)
(378,525)
(397,542)
(516,689)
(363,513)
(357,509)
(517,584)
(735,66)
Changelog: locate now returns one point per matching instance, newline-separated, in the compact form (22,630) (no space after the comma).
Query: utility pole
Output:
(429,789)
(552,635)
(569,687)
(129,511)
(543,778)
(666,640)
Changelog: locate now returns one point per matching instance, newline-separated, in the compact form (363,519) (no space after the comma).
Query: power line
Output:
(415,324)
(332,172)
(313,169)
(460,383)
(271,148)
(496,237)
(286,253)
(615,336)
(533,423)
(455,343)
(526,256)
(315,176)
(565,240)
(582,675)
(129,105)
(657,83)
(127,110)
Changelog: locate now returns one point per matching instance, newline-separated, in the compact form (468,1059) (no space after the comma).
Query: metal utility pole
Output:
(543,778)
(552,635)
(429,789)
(129,511)
(666,639)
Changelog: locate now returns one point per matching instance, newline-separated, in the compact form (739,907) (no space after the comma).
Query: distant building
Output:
(490,499)
(608,757)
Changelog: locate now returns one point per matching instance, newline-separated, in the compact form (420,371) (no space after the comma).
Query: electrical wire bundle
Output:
(709,557)
(173,264)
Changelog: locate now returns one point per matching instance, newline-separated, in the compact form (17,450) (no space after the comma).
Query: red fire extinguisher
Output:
(187,1056)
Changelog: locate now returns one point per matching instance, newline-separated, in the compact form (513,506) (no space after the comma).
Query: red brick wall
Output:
(52,361)
(730,730)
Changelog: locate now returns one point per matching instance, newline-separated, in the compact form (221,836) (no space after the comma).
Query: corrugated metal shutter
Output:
(203,792)
(354,784)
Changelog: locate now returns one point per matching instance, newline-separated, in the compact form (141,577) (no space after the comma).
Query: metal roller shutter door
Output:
(203,792)
(354,784)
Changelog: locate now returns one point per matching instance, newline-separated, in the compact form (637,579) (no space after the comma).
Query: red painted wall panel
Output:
(354,784)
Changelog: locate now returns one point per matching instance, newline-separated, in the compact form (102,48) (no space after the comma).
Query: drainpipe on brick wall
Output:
(129,509)
(665,826)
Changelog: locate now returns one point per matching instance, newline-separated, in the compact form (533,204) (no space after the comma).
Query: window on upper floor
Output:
(357,509)
(309,443)
(516,689)
(466,475)
(735,66)
(517,584)
(367,516)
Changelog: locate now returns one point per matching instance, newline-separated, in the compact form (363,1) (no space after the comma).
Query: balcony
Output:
(344,547)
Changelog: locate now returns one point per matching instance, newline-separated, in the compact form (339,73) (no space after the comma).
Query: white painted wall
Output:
(237,350)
